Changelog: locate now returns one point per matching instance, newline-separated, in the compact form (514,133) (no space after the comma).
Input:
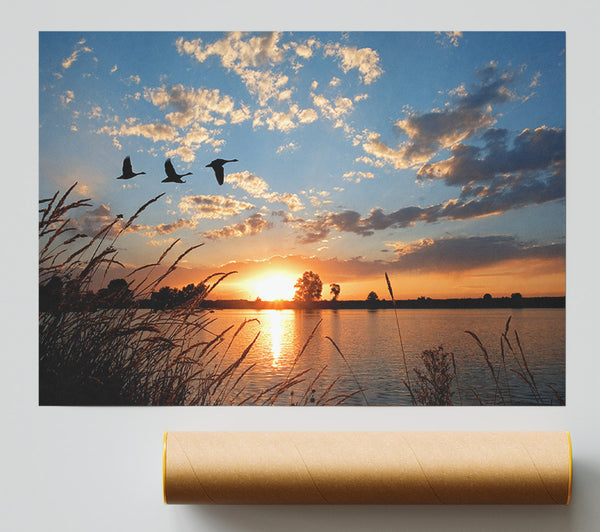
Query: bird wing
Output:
(219,174)
(127,166)
(169,168)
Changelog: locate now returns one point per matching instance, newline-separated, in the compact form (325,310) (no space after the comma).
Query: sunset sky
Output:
(438,158)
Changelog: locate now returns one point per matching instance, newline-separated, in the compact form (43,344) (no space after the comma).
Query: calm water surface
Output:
(370,343)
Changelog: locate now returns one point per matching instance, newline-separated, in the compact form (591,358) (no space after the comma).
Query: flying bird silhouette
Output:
(128,172)
(172,176)
(217,166)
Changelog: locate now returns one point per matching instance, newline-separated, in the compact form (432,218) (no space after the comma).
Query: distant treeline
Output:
(420,303)
(59,296)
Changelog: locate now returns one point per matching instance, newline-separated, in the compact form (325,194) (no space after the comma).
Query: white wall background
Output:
(99,469)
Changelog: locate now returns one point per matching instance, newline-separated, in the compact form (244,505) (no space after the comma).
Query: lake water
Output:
(370,344)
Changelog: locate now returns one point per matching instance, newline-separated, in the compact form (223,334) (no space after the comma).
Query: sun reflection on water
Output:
(278,329)
(275,328)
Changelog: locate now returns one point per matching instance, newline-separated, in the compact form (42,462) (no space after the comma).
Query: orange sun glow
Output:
(275,286)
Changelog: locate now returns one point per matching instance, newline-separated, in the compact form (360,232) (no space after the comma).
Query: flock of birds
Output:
(172,175)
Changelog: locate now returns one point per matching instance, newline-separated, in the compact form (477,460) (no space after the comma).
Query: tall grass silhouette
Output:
(436,381)
(121,354)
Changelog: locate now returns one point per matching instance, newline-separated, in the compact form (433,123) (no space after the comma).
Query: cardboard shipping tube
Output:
(367,468)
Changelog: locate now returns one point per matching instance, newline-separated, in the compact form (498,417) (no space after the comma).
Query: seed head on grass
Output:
(349,368)
(406,382)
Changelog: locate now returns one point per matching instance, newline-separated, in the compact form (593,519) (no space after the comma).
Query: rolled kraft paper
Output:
(367,468)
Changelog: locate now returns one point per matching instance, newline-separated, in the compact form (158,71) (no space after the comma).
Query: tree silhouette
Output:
(308,287)
(168,297)
(116,294)
(51,294)
(191,291)
(516,300)
(334,290)
(372,297)
(164,298)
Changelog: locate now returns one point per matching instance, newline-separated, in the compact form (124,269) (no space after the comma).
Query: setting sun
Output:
(275,286)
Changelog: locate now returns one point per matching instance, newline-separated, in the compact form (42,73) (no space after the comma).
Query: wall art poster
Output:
(302,218)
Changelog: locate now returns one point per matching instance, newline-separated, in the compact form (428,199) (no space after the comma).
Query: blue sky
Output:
(437,157)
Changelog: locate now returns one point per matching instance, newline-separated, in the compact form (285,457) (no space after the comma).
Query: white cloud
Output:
(200,135)
(94,220)
(357,176)
(96,112)
(192,105)
(283,121)
(251,226)
(261,61)
(164,229)
(254,185)
(292,201)
(264,84)
(285,95)
(163,242)
(259,188)
(67,97)
(370,161)
(428,133)
(68,62)
(236,51)
(535,79)
(185,145)
(258,118)
(240,115)
(365,60)
(449,38)
(290,146)
(243,54)
(214,207)
(305,49)
(185,153)
(333,111)
(306,116)
(155,132)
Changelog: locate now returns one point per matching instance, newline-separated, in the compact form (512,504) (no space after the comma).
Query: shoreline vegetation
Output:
(57,296)
(113,347)
(48,303)
(424,303)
